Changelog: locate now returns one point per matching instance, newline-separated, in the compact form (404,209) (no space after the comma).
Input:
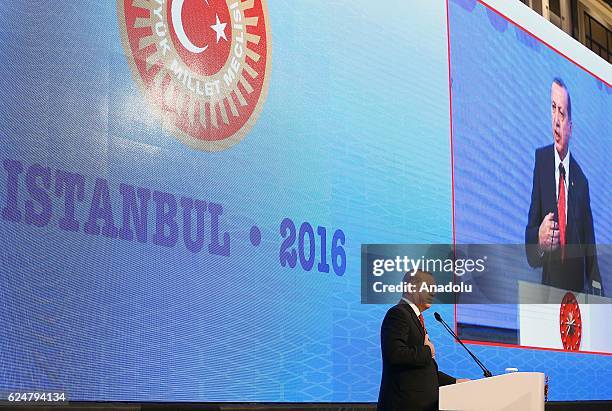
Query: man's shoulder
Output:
(399,309)
(396,308)
(576,172)
(544,152)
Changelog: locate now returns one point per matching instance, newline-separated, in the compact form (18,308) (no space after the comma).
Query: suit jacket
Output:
(580,262)
(410,377)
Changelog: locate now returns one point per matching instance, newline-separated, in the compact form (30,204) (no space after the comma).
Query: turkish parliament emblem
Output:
(204,65)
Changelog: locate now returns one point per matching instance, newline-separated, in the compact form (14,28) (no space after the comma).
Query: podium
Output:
(539,323)
(509,392)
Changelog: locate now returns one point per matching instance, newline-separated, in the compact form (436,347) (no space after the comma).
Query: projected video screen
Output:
(519,106)
(185,189)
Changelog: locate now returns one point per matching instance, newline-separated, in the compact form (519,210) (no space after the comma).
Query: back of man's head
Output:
(417,279)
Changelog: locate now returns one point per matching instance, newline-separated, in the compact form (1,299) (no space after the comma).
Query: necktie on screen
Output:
(422,322)
(561,210)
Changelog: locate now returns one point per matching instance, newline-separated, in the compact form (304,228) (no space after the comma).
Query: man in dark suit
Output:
(410,376)
(559,235)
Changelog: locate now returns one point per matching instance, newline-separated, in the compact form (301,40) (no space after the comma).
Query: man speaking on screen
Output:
(559,236)
(410,376)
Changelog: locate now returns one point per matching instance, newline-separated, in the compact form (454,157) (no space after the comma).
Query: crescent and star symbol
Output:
(203,65)
(177,21)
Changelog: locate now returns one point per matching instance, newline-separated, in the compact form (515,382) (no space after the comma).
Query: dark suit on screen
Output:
(410,377)
(581,261)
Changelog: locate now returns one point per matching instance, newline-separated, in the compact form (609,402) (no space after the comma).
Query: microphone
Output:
(484,369)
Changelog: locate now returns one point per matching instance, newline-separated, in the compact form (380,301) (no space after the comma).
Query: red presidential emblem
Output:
(570,322)
(203,64)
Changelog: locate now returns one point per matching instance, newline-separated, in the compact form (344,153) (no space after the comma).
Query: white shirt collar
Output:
(414,307)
